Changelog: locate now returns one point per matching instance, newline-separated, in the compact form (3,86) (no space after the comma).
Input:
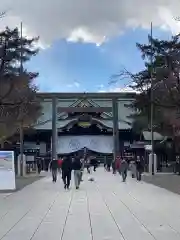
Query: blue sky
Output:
(76,66)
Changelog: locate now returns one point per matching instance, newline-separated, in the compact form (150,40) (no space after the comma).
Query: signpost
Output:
(7,171)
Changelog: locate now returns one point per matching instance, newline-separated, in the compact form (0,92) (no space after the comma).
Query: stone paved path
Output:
(106,209)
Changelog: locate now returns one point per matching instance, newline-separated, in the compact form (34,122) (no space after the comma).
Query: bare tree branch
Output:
(2,14)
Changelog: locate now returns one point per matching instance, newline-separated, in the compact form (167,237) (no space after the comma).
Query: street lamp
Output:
(152,105)
(21,132)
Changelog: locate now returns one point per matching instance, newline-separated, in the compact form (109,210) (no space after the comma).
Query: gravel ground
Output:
(22,182)
(170,182)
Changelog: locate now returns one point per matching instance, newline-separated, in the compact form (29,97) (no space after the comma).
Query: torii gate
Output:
(106,96)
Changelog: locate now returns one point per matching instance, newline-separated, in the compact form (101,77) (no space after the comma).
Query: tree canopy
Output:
(162,66)
(18,99)
(165,83)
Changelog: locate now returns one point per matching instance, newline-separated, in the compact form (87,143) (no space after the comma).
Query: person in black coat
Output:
(108,164)
(66,171)
(94,163)
(54,167)
(139,168)
(39,165)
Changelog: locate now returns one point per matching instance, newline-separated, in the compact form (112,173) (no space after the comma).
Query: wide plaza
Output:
(104,209)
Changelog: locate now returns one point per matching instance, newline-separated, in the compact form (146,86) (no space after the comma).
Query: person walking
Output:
(124,169)
(60,165)
(94,163)
(66,171)
(54,167)
(108,164)
(132,167)
(139,168)
(82,160)
(177,166)
(118,164)
(88,165)
(77,166)
(39,165)
(114,166)
(105,162)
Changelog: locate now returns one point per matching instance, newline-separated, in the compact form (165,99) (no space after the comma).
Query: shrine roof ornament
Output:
(84,124)
(88,105)
(88,102)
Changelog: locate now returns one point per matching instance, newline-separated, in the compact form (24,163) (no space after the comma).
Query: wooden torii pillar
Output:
(54,129)
(115,128)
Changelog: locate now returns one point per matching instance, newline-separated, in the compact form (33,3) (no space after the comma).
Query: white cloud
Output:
(74,85)
(122,89)
(88,20)
(100,87)
(117,88)
(102,90)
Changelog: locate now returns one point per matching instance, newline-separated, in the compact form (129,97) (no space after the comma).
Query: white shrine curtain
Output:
(69,144)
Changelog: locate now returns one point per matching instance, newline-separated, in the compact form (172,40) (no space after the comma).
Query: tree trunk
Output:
(2,144)
(176,147)
(21,137)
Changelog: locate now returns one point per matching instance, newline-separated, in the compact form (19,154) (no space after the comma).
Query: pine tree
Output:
(13,50)
(166,84)
(18,100)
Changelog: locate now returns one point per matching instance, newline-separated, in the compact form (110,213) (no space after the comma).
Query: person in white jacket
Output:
(132,168)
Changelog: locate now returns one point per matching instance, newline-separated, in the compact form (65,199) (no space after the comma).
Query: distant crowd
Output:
(122,165)
(66,165)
